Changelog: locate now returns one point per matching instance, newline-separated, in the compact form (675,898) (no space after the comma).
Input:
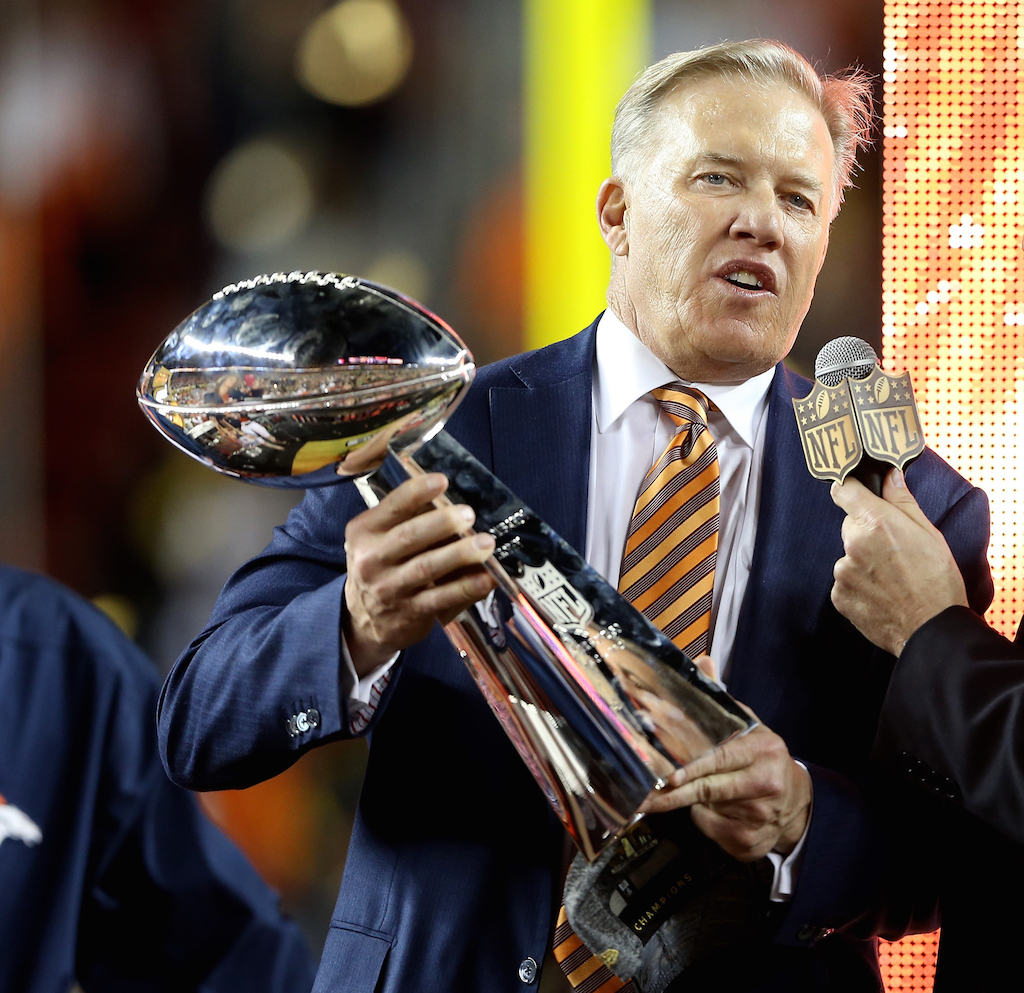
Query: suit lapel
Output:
(798,542)
(540,433)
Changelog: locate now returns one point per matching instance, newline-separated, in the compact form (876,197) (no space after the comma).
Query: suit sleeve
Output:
(953,718)
(270,652)
(867,866)
(167,902)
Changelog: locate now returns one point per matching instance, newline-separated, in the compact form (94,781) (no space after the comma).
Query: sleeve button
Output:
(528,971)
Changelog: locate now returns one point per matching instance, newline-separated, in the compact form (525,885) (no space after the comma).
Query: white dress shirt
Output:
(629,431)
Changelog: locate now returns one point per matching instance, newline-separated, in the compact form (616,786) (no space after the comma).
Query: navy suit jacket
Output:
(454,865)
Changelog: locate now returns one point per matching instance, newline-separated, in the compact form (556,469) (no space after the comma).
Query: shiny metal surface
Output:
(289,380)
(601,706)
(844,357)
(322,373)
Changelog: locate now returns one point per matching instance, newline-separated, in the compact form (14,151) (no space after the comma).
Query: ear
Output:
(611,215)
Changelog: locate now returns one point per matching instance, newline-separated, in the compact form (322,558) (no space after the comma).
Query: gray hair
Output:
(844,100)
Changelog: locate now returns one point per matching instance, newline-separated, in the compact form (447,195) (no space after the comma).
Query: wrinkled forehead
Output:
(735,117)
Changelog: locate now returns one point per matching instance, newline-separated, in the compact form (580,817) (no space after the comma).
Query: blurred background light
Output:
(71,106)
(580,56)
(356,52)
(402,271)
(259,196)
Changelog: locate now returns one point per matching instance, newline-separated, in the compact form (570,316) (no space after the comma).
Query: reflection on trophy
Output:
(309,379)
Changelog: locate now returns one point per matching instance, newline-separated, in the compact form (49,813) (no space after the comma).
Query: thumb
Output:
(896,492)
(706,664)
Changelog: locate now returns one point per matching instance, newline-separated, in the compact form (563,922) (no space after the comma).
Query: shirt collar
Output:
(626,370)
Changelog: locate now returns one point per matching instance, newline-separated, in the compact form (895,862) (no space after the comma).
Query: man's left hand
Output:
(748,795)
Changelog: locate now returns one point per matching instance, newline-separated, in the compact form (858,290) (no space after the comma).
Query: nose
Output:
(759,219)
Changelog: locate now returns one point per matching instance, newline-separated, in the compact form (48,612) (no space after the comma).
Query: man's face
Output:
(724,228)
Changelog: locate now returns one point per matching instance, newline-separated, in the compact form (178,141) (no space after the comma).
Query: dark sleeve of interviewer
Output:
(954,716)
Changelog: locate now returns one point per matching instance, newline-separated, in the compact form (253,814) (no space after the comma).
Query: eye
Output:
(799,201)
(714,179)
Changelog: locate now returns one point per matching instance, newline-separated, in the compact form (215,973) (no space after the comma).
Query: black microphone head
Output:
(844,357)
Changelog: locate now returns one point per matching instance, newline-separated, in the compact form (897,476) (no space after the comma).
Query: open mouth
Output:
(748,276)
(745,279)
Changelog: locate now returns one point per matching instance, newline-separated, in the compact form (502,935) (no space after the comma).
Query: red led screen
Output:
(952,295)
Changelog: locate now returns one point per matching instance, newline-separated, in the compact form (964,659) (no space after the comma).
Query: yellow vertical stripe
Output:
(580,57)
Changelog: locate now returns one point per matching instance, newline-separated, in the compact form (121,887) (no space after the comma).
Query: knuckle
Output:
(356,560)
(355,533)
(722,758)
(422,572)
(767,784)
(406,532)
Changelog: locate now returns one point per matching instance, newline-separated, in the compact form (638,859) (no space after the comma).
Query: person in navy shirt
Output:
(111,876)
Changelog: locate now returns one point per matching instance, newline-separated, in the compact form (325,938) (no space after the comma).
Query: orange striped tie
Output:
(668,573)
(587,973)
(668,570)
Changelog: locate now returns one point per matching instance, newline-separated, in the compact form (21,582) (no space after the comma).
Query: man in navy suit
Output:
(728,169)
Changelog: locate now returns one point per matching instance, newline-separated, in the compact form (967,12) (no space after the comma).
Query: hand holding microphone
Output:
(898,571)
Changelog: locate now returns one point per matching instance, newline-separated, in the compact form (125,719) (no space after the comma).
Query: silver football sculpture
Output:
(307,379)
(303,379)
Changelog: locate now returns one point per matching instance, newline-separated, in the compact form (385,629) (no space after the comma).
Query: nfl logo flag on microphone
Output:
(855,409)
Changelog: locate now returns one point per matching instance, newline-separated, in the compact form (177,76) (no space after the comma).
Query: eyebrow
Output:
(800,178)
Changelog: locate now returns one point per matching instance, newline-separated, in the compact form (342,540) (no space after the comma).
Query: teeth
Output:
(744,278)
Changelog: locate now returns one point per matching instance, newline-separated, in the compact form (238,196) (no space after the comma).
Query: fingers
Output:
(427,568)
(895,492)
(409,563)
(403,503)
(863,506)
(406,524)
(722,789)
(453,591)
(748,795)
(852,496)
(737,754)
(755,767)
(734,754)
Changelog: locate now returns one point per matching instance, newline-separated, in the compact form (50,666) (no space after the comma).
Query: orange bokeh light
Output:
(952,298)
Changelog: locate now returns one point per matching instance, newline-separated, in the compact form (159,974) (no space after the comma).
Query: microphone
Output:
(844,358)
(851,358)
(857,418)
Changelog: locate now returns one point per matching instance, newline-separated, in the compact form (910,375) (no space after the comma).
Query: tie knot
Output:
(683,404)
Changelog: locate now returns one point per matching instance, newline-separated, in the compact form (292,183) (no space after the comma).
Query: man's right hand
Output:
(408,566)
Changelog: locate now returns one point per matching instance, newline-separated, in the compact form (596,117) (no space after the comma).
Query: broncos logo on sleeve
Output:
(18,825)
